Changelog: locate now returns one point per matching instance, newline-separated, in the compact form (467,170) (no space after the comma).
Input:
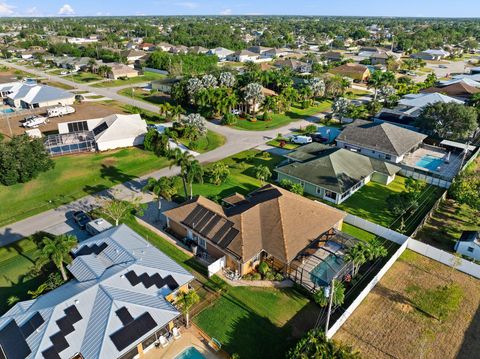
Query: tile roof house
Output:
(357,72)
(384,141)
(268,222)
(120,299)
(433,55)
(459,90)
(118,70)
(333,174)
(243,56)
(295,65)
(221,53)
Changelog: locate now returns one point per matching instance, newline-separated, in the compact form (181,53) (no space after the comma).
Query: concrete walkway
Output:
(236,141)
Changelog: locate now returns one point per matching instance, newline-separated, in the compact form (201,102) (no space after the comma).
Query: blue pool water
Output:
(429,162)
(323,273)
(190,353)
(328,132)
(7,110)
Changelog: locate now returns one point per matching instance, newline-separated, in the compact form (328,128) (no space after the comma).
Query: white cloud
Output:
(188,4)
(6,9)
(32,11)
(66,10)
(226,12)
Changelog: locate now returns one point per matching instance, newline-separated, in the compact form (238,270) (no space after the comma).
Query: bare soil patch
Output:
(84,111)
(389,325)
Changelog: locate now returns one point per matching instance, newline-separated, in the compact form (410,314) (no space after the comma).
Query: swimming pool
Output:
(430,162)
(7,110)
(190,353)
(324,272)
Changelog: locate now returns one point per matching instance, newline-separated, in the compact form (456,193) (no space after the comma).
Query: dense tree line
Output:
(182,64)
(22,159)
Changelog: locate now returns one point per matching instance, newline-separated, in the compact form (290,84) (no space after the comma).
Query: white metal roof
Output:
(100,288)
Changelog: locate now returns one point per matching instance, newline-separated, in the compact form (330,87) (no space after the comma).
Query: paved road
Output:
(236,141)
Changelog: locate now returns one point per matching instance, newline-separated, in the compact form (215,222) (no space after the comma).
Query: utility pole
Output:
(332,284)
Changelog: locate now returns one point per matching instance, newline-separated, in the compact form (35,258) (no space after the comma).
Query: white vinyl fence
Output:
(426,250)
(376,229)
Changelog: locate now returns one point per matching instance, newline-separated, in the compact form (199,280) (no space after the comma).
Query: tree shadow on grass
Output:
(113,174)
(471,343)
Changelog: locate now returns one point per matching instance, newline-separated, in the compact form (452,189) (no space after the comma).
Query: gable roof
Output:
(270,219)
(116,127)
(83,315)
(337,169)
(355,71)
(457,89)
(420,100)
(32,94)
(383,137)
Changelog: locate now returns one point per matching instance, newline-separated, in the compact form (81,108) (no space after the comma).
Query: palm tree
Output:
(166,109)
(338,295)
(182,160)
(262,173)
(57,250)
(229,102)
(187,300)
(194,173)
(253,94)
(163,188)
(270,104)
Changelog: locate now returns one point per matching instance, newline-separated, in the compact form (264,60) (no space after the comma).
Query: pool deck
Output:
(190,338)
(449,169)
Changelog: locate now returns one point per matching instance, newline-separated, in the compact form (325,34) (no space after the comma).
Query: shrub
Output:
(256,276)
(270,276)
(279,276)
(193,145)
(263,268)
(229,119)
(266,116)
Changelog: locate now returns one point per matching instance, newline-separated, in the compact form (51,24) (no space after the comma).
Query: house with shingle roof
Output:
(459,90)
(333,174)
(380,140)
(120,300)
(357,72)
(269,222)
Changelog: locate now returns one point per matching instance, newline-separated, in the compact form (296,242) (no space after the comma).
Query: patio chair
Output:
(176,333)
(163,341)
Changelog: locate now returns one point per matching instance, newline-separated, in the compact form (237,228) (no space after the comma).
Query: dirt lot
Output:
(388,324)
(84,111)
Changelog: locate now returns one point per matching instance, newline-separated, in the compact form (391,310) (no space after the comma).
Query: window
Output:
(470,249)
(330,195)
(319,190)
(388,157)
(202,242)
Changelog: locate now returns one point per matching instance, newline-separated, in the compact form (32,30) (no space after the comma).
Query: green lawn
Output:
(83,77)
(254,322)
(370,203)
(211,141)
(279,120)
(288,145)
(241,178)
(358,232)
(74,177)
(58,84)
(17,261)
(155,98)
(146,77)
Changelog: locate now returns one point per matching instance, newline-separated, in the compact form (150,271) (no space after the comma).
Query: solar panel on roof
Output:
(191,216)
(94,248)
(229,237)
(203,221)
(198,216)
(100,128)
(73,314)
(149,280)
(66,327)
(59,342)
(32,324)
(124,316)
(221,232)
(50,353)
(127,335)
(12,341)
(213,222)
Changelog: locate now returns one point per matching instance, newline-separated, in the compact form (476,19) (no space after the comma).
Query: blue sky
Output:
(415,8)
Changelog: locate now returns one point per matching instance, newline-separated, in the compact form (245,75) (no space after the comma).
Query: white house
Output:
(118,304)
(469,244)
(111,132)
(221,53)
(243,56)
(433,55)
(24,95)
(413,104)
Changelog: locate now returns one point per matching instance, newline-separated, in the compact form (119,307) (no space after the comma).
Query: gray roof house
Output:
(384,141)
(24,95)
(334,174)
(469,244)
(119,300)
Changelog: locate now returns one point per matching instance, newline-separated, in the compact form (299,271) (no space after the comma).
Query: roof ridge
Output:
(282,227)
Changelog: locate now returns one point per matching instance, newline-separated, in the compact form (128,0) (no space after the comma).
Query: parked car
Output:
(411,73)
(317,137)
(443,66)
(235,111)
(301,140)
(81,219)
